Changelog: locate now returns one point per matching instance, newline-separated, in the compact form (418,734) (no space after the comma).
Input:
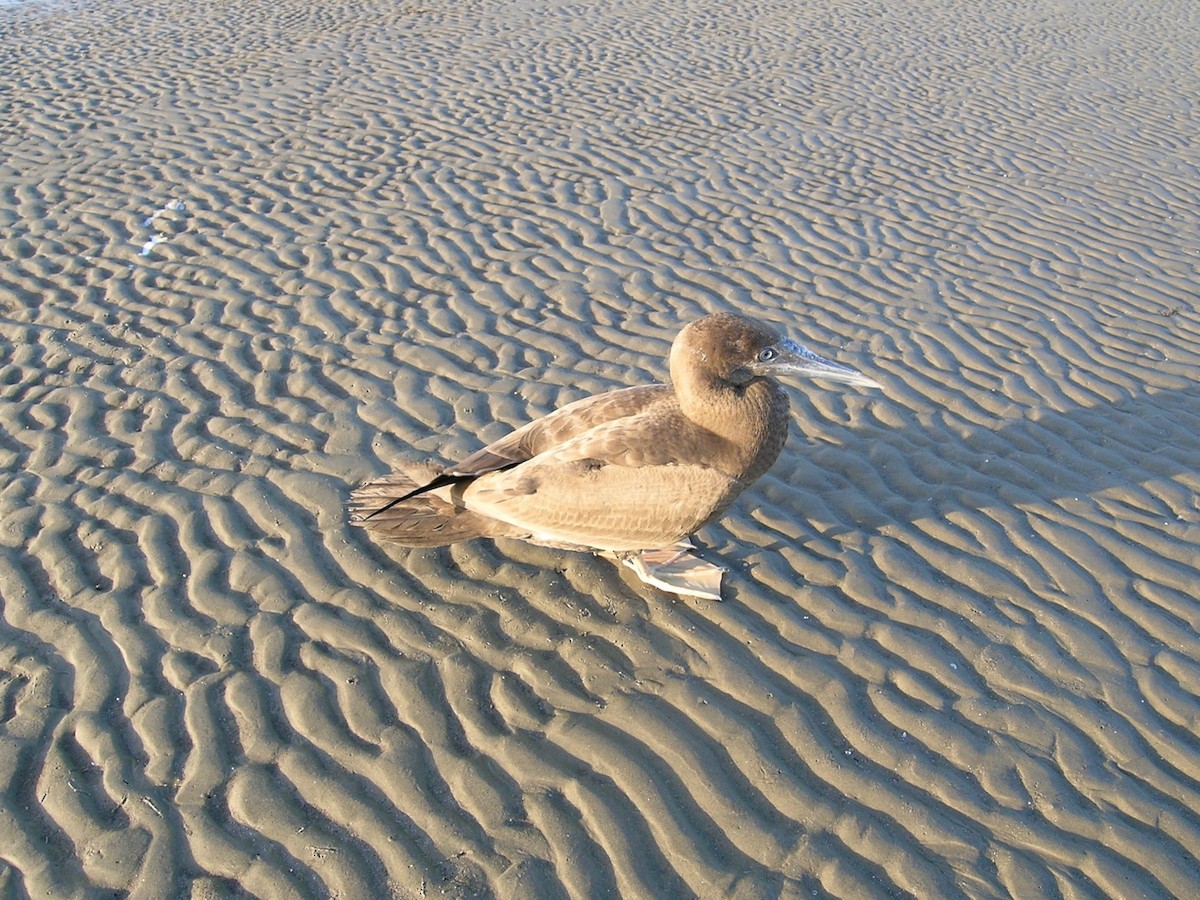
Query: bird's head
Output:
(734,350)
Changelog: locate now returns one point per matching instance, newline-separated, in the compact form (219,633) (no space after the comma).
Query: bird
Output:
(630,474)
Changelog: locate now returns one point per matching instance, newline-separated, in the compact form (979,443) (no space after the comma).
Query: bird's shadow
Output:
(865,478)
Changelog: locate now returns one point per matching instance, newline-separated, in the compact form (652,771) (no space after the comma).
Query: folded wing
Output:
(619,486)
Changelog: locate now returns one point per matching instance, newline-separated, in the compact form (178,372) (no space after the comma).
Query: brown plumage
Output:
(636,469)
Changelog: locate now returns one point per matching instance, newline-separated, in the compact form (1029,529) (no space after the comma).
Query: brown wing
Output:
(561,426)
(525,443)
(636,483)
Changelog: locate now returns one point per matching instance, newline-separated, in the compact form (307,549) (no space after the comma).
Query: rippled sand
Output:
(255,253)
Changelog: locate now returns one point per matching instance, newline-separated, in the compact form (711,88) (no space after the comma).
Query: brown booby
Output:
(631,473)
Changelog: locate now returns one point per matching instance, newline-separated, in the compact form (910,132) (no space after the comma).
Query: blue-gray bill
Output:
(796,359)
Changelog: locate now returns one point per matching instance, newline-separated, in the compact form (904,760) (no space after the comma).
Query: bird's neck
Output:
(752,418)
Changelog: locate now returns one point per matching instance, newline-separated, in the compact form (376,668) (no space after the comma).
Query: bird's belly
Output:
(616,510)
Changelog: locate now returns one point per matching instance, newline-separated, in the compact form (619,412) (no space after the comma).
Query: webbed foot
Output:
(677,570)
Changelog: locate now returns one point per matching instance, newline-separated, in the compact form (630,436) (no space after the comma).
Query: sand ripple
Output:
(255,253)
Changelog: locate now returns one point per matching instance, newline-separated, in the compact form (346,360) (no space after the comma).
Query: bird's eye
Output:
(767,354)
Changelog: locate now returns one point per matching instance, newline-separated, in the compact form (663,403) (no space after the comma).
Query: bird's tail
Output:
(429,519)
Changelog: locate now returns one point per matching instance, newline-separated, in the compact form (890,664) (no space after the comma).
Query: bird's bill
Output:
(796,359)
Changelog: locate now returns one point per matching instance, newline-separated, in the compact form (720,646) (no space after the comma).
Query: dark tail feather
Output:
(426,520)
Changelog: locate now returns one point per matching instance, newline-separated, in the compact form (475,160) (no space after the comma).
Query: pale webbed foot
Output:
(677,570)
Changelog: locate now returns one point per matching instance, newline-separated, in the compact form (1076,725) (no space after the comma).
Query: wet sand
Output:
(256,253)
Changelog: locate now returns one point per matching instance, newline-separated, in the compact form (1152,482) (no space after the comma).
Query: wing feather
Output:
(618,486)
(562,425)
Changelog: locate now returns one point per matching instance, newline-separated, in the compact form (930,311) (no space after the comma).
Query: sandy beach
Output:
(253,254)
